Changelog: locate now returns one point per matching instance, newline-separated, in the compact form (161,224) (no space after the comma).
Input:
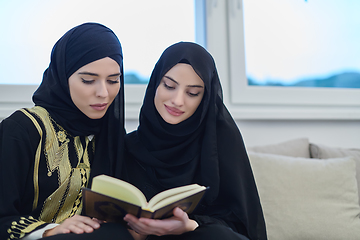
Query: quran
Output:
(110,199)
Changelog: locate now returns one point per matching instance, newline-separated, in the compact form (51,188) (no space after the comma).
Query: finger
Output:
(142,225)
(88,226)
(56,230)
(94,224)
(156,227)
(98,221)
(180,214)
(137,229)
(77,226)
(72,229)
(85,220)
(129,217)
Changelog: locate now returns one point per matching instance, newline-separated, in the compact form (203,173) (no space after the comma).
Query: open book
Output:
(111,199)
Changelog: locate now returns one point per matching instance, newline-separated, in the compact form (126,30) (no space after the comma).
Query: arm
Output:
(76,224)
(17,152)
(39,233)
(19,140)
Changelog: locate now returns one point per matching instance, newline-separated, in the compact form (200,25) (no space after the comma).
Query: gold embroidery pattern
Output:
(37,159)
(20,228)
(66,200)
(61,136)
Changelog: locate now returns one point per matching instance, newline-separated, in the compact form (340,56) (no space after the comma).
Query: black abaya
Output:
(206,148)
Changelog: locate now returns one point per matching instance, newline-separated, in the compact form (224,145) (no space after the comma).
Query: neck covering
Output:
(207,147)
(79,46)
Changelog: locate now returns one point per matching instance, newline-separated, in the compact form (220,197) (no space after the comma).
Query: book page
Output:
(172,195)
(119,189)
(187,204)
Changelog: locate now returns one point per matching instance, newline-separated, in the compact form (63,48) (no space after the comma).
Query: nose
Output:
(101,89)
(178,99)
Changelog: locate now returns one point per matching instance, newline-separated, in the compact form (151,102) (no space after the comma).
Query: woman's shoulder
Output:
(23,120)
(17,118)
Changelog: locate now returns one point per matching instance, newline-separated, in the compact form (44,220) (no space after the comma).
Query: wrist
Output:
(46,232)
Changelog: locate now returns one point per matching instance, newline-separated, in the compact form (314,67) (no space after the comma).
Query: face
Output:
(179,93)
(93,87)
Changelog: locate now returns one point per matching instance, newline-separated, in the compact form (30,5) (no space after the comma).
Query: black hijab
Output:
(79,46)
(206,148)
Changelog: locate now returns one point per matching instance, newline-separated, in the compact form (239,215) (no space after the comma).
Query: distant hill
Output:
(341,80)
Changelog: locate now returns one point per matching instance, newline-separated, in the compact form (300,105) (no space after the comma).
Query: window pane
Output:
(145,28)
(302,43)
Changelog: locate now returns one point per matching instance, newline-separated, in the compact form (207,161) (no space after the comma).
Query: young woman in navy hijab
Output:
(74,132)
(178,144)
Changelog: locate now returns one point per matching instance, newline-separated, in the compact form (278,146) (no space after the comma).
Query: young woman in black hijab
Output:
(74,132)
(177,144)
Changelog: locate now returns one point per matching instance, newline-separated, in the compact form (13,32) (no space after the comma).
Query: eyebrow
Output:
(95,74)
(170,78)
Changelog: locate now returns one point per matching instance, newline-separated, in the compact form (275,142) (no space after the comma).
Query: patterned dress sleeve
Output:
(19,140)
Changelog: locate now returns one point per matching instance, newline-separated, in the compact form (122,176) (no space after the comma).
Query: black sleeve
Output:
(19,140)
(217,214)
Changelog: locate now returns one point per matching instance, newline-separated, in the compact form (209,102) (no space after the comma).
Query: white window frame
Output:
(226,43)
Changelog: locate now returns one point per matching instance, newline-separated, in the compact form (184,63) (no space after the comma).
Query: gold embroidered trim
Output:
(23,226)
(66,200)
(37,159)
(57,155)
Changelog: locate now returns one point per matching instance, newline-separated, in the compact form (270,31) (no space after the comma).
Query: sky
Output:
(292,39)
(29,30)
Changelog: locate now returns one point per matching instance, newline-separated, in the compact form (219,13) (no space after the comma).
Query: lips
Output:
(99,107)
(173,111)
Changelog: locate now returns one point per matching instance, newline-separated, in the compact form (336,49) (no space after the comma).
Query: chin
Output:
(172,121)
(95,116)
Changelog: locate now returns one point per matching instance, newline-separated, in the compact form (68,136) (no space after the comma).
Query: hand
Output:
(137,236)
(175,225)
(76,224)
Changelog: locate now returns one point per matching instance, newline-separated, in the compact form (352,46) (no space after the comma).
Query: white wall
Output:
(328,132)
(332,133)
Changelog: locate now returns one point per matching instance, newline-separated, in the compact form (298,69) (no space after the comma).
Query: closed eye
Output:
(113,81)
(193,94)
(87,81)
(168,87)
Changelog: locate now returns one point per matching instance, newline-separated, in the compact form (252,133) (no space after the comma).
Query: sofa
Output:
(308,191)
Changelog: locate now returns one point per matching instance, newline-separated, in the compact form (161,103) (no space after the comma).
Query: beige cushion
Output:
(325,152)
(295,148)
(307,198)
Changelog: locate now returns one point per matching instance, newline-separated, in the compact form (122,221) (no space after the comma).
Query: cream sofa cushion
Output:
(325,152)
(298,147)
(306,198)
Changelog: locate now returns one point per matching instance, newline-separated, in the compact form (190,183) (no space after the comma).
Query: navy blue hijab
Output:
(79,46)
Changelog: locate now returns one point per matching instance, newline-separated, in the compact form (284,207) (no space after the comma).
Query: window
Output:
(302,43)
(144,28)
(274,102)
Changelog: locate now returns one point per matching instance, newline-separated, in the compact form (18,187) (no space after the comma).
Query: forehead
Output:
(184,74)
(101,65)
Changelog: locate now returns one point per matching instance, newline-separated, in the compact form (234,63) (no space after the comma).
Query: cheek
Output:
(162,94)
(160,98)
(76,92)
(114,90)
(195,104)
